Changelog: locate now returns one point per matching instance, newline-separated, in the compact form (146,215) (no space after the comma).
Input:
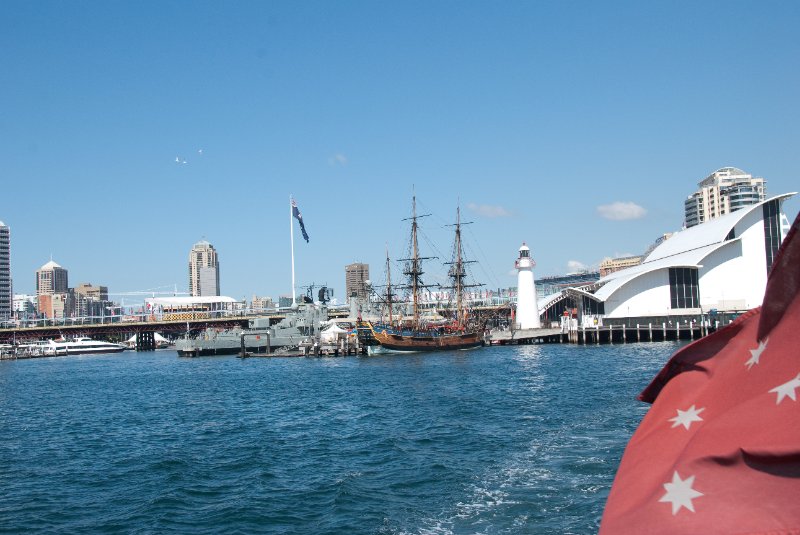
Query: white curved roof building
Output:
(721,264)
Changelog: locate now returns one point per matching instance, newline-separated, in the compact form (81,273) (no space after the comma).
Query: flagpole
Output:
(291,238)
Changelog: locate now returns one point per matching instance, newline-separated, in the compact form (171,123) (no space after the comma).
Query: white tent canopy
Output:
(332,334)
(159,339)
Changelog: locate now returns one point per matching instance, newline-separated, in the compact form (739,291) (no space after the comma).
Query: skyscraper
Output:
(356,276)
(203,269)
(6,293)
(723,191)
(51,279)
(52,291)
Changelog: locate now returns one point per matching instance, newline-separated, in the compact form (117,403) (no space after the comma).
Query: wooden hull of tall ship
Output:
(427,342)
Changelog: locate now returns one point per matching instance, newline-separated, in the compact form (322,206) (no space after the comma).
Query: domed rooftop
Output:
(524,247)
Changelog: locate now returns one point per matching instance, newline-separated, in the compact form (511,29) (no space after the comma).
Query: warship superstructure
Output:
(301,324)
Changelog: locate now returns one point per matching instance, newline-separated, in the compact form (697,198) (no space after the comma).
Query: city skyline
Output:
(579,129)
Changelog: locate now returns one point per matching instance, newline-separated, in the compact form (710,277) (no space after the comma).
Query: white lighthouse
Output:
(527,307)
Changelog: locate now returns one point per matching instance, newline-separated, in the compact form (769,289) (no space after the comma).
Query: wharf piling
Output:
(600,334)
(341,348)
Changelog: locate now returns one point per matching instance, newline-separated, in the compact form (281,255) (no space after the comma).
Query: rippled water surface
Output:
(519,439)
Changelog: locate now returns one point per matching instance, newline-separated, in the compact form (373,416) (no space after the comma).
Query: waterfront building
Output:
(91,301)
(203,270)
(610,265)
(554,284)
(182,308)
(56,305)
(52,280)
(719,266)
(722,192)
(285,301)
(527,307)
(88,291)
(24,306)
(6,290)
(261,303)
(356,277)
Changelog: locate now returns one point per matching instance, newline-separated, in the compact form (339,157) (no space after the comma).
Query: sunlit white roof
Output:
(50,265)
(686,248)
(693,258)
(710,232)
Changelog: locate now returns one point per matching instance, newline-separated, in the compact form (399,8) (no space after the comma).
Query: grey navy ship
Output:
(298,326)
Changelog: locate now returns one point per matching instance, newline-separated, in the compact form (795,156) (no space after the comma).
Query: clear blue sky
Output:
(531,115)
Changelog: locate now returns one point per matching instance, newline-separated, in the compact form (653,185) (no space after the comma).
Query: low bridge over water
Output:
(122,330)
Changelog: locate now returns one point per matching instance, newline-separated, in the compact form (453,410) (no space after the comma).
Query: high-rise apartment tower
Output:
(203,269)
(356,276)
(722,192)
(6,293)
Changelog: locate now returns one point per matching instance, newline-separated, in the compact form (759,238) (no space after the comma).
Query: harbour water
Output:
(515,439)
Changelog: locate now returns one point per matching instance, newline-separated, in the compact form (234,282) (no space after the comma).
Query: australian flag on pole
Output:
(296,213)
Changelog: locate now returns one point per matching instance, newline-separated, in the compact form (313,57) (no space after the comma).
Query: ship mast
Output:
(414,264)
(388,285)
(458,272)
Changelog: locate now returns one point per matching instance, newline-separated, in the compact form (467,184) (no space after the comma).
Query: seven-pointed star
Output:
(685,418)
(680,493)
(755,354)
(787,389)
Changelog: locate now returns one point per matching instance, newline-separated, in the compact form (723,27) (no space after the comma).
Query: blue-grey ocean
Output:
(519,439)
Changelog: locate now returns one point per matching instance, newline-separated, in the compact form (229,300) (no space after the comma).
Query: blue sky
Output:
(531,115)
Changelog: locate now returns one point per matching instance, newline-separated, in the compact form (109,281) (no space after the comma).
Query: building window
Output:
(772,231)
(683,290)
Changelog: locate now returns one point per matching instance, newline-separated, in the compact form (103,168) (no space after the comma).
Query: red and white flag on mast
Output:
(719,451)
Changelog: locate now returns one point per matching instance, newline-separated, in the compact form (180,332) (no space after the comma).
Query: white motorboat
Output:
(82,345)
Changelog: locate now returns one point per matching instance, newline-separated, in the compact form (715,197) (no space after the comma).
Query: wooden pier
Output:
(341,349)
(601,334)
(526,336)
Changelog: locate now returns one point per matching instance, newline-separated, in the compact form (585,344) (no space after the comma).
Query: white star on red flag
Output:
(680,493)
(755,354)
(685,418)
(787,390)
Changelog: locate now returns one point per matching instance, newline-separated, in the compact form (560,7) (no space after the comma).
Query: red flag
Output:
(719,450)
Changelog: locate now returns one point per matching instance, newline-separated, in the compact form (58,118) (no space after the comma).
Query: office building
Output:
(356,277)
(203,270)
(91,301)
(6,291)
(722,192)
(51,281)
(261,304)
(24,306)
(88,291)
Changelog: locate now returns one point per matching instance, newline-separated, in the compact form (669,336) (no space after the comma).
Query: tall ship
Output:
(418,333)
